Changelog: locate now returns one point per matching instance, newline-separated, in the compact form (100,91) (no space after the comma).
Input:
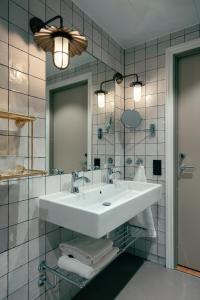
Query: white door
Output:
(188,135)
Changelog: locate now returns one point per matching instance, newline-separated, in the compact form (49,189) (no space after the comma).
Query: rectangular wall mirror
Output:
(80,134)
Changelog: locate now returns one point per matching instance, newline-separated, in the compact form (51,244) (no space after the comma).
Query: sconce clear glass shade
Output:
(61,52)
(137,92)
(101,98)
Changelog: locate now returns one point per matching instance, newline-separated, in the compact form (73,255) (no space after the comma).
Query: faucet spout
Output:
(75,178)
(110,174)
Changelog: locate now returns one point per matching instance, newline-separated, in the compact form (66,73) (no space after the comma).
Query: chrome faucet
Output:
(75,178)
(110,174)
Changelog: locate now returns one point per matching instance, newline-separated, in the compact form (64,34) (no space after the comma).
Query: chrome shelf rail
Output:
(123,237)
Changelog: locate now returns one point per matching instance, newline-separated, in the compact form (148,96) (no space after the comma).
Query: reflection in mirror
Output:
(131,118)
(80,134)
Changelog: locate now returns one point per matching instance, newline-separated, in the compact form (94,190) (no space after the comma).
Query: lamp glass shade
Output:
(61,52)
(101,98)
(137,92)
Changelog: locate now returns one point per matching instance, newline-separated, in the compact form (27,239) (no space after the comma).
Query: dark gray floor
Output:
(111,281)
(154,282)
(130,278)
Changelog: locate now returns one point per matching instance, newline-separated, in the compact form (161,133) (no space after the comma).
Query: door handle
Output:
(186,168)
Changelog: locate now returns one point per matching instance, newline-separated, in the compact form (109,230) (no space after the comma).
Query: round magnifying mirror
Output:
(131,118)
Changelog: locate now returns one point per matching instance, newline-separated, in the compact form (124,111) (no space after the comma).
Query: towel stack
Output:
(86,256)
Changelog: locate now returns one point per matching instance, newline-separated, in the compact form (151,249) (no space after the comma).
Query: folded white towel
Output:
(75,266)
(86,249)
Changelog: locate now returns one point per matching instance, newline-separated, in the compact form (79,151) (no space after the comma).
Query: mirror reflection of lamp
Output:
(101,98)
(137,89)
(101,94)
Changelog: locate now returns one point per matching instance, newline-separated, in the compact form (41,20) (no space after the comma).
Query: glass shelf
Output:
(122,237)
(26,173)
(12,172)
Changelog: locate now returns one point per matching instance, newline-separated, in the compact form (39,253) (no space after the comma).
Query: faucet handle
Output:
(75,174)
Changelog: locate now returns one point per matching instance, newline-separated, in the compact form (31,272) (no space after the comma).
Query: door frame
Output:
(171,54)
(73,80)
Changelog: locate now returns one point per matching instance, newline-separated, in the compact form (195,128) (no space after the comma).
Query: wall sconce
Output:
(60,41)
(118,78)
(101,94)
(137,88)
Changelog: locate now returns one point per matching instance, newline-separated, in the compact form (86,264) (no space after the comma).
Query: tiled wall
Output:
(112,143)
(24,240)
(148,60)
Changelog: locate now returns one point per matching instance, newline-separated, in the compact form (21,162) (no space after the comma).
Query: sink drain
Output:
(106,203)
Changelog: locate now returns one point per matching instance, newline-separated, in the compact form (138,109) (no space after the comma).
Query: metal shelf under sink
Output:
(122,237)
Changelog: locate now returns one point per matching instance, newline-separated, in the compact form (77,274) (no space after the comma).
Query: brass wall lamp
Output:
(118,78)
(60,41)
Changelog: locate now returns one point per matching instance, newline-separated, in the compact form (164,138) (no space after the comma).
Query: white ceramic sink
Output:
(99,209)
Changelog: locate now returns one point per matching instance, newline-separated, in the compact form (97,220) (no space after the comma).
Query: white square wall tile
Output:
(19,294)
(37,107)
(18,102)
(36,228)
(18,37)
(18,81)
(37,8)
(3,287)
(3,263)
(36,247)
(151,51)
(37,67)
(18,256)
(36,187)
(22,3)
(18,59)
(4,193)
(4,9)
(39,147)
(3,77)
(52,184)
(151,88)
(18,234)
(18,16)
(151,63)
(18,212)
(17,279)
(4,99)
(39,128)
(140,55)
(3,30)
(37,87)
(4,53)
(34,208)
(3,216)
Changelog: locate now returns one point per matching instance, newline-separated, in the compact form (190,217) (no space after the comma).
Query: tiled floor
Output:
(153,282)
(129,278)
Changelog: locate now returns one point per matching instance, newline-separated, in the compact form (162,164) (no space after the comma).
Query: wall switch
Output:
(157,167)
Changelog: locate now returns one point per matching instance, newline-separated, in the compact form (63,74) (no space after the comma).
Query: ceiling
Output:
(131,22)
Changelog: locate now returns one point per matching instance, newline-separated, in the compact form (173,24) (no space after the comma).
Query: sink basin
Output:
(97,210)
